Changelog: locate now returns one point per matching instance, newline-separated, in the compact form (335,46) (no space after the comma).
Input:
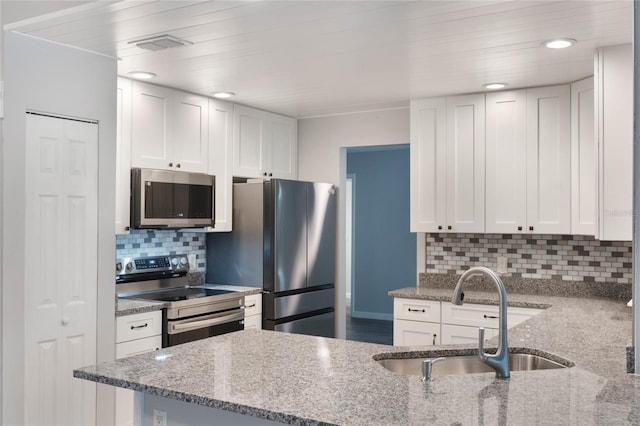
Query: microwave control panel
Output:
(170,263)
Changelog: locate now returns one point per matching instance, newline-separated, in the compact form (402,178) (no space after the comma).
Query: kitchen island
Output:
(270,376)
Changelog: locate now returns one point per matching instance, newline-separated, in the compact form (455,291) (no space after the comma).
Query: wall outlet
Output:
(502,265)
(159,418)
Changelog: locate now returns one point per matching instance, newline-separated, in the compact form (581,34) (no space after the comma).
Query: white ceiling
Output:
(309,58)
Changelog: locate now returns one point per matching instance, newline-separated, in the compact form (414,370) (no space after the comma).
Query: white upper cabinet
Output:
(614,121)
(428,164)
(220,161)
(549,160)
(264,144)
(529,161)
(123,154)
(169,129)
(465,163)
(506,171)
(583,159)
(447,164)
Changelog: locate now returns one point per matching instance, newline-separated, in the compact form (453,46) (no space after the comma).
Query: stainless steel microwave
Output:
(166,199)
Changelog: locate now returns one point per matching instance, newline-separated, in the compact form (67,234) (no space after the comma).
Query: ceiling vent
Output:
(162,42)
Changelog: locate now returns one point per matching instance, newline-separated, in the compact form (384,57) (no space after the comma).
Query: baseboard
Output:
(372,315)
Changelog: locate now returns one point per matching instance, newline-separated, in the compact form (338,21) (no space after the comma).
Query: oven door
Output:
(200,327)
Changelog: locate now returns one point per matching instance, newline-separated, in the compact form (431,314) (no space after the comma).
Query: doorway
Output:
(380,250)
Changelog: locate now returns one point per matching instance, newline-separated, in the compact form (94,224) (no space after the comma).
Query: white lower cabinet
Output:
(253,312)
(458,334)
(415,333)
(426,322)
(135,334)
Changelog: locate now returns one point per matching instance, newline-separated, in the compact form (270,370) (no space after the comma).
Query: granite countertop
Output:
(312,380)
(129,306)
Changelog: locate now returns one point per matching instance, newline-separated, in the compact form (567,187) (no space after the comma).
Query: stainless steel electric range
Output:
(192,312)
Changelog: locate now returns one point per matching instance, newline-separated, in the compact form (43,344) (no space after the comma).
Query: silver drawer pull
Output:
(250,306)
(490,316)
(136,327)
(416,310)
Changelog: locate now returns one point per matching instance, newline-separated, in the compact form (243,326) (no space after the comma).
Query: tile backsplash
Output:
(155,242)
(557,257)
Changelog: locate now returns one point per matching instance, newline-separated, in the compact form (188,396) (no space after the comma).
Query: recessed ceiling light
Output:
(559,43)
(223,95)
(494,86)
(141,74)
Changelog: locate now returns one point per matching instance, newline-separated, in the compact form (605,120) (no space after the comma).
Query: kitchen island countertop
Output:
(311,380)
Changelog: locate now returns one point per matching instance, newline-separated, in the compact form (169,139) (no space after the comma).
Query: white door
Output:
(189,143)
(150,132)
(428,165)
(221,161)
(283,147)
(583,159)
(549,160)
(465,163)
(248,142)
(506,164)
(60,283)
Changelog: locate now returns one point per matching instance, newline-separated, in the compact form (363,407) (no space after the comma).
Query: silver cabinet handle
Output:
(136,327)
(250,306)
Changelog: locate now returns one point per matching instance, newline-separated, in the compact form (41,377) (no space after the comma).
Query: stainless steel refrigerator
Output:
(283,240)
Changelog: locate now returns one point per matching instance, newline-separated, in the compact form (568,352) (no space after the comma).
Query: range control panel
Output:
(169,263)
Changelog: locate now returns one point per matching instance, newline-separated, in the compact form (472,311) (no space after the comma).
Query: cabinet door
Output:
(614,80)
(428,165)
(459,334)
(123,156)
(506,160)
(253,322)
(415,333)
(189,144)
(150,126)
(221,161)
(248,142)
(282,147)
(548,160)
(465,163)
(583,159)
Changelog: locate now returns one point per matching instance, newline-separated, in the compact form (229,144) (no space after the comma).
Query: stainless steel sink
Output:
(465,364)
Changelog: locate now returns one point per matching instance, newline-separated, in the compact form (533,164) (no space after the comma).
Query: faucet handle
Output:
(481,342)
(427,367)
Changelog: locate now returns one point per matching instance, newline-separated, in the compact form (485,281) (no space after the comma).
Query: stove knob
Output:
(183,261)
(174,261)
(129,267)
(118,266)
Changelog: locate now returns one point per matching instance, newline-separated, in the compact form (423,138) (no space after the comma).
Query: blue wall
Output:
(384,251)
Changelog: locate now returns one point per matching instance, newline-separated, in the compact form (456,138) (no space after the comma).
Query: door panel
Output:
(321,234)
(290,231)
(60,289)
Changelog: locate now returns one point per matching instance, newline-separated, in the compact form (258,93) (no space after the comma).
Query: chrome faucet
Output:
(500,360)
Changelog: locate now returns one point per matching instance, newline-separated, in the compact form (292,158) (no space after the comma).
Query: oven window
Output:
(203,333)
(177,201)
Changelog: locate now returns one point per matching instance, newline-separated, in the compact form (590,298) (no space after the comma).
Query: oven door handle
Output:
(176,328)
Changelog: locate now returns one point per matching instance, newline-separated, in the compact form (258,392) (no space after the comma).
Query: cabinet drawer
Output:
(458,334)
(254,322)
(484,315)
(138,326)
(415,333)
(139,346)
(416,309)
(253,305)
(470,314)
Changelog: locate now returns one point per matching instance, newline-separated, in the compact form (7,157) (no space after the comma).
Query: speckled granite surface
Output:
(542,287)
(135,306)
(311,380)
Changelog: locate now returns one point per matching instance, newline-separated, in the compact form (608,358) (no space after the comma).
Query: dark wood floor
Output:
(368,330)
